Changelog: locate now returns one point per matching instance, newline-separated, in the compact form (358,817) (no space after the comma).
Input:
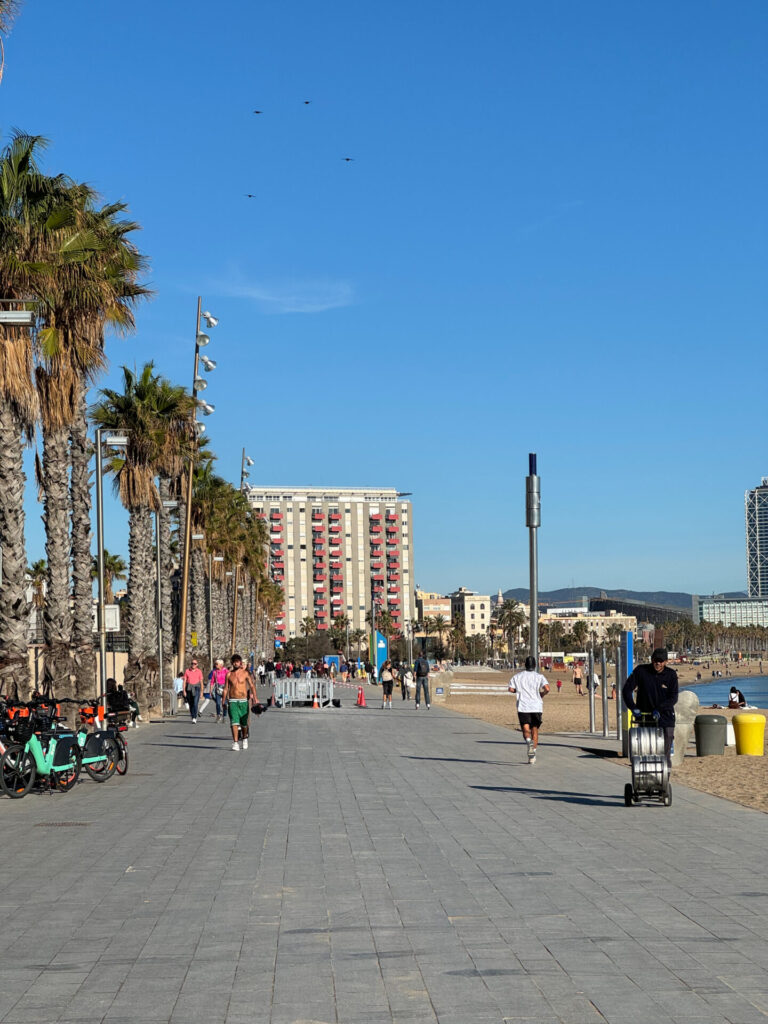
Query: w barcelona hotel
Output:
(337,551)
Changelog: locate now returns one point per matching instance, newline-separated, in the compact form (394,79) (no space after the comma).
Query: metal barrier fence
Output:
(303,690)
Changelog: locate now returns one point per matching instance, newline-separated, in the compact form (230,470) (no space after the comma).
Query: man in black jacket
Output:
(657,691)
(421,671)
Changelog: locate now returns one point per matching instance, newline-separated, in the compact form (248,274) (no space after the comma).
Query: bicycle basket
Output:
(21,729)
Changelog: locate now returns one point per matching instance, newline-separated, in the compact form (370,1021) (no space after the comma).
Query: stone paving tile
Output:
(367,869)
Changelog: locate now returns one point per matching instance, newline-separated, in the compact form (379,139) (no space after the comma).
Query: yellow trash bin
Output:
(750,733)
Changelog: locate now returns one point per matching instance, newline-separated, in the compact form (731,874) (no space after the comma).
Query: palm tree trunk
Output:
(140,603)
(220,641)
(166,567)
(57,615)
(82,584)
(14,606)
(197,607)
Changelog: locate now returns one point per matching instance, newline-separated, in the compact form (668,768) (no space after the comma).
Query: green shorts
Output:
(238,712)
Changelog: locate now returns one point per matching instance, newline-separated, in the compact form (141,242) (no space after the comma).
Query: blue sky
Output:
(551,238)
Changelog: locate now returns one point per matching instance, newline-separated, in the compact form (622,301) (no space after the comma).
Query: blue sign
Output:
(382,651)
(439,689)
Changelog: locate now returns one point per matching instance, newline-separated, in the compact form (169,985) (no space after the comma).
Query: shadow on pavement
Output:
(463,760)
(190,746)
(562,796)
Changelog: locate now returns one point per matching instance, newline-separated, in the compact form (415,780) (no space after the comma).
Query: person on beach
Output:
(577,677)
(736,698)
(657,690)
(530,687)
(193,689)
(559,685)
(406,682)
(238,693)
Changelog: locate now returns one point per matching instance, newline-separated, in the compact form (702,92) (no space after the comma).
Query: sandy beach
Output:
(739,778)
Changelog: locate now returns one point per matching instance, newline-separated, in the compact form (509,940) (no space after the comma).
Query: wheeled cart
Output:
(650,771)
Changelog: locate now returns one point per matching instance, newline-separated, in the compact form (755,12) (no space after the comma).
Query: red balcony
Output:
(334,530)
(320,590)
(334,517)
(318,550)
(336,565)
(391,517)
(317,517)
(317,527)
(275,515)
(320,602)
(379,576)
(392,577)
(322,625)
(375,529)
(335,600)
(318,577)
(375,517)
(376,565)
(391,529)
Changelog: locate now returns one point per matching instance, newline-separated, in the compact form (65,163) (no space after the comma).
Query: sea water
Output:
(754,688)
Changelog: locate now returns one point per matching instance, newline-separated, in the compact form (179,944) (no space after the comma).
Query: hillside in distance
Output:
(668,598)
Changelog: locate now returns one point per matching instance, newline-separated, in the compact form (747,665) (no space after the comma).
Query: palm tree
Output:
(580,631)
(356,637)
(37,573)
(428,625)
(307,628)
(154,415)
(511,618)
(440,626)
(8,11)
(115,568)
(28,199)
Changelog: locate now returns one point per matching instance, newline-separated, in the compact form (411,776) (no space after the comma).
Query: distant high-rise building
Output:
(338,551)
(756,507)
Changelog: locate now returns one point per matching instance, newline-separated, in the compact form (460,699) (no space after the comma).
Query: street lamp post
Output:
(115,441)
(533,522)
(246,461)
(198,384)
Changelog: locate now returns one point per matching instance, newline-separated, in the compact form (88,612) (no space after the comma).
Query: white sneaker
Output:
(194,721)
(427,707)
(245,744)
(235,746)
(532,755)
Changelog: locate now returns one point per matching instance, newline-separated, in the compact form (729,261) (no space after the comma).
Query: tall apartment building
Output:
(336,551)
(756,509)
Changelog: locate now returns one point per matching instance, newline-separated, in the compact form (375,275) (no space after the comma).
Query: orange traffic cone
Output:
(361,697)
(315,703)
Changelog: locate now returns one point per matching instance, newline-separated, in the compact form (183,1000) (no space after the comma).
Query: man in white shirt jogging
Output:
(530,686)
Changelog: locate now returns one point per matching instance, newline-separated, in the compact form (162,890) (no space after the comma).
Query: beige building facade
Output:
(431,605)
(337,551)
(597,622)
(474,609)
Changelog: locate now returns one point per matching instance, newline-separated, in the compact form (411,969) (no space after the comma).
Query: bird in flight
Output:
(348,159)
(307,102)
(249,196)
(258,111)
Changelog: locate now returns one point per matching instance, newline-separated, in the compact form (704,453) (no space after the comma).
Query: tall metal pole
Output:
(210,610)
(182,642)
(604,675)
(100,569)
(533,522)
(590,687)
(159,599)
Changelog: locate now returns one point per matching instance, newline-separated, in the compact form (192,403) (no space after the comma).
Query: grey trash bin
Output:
(710,734)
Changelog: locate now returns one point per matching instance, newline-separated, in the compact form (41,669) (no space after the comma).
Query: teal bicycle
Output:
(39,750)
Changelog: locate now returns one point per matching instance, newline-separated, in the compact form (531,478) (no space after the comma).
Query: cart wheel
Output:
(628,795)
(668,796)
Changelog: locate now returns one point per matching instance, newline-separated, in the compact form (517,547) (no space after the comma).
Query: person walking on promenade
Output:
(217,681)
(193,689)
(387,679)
(406,681)
(238,693)
(531,687)
(657,691)
(270,670)
(421,671)
(577,676)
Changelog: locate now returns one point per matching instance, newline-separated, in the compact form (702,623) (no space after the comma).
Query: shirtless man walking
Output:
(238,691)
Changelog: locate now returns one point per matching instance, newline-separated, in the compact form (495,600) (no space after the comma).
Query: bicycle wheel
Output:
(104,769)
(17,771)
(122,761)
(65,778)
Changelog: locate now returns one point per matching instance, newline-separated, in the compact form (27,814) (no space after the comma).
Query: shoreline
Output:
(742,779)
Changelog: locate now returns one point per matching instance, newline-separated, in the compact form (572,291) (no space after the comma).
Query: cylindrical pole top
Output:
(532,463)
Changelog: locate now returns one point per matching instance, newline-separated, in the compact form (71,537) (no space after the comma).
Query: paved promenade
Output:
(368,867)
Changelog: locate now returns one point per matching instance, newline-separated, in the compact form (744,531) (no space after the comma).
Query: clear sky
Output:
(551,238)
